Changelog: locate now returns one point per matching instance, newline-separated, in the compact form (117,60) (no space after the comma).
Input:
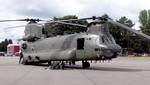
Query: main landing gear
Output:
(61,65)
(57,65)
(85,64)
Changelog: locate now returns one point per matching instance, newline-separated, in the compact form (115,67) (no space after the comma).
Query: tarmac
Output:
(119,71)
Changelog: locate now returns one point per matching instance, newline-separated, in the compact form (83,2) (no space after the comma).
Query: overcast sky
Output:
(46,9)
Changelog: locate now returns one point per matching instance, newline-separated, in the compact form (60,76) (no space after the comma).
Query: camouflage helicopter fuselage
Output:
(73,47)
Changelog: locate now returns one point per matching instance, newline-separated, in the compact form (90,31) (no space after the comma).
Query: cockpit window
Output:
(106,39)
(101,39)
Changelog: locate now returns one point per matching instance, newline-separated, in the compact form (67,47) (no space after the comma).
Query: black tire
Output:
(85,64)
(49,63)
(73,62)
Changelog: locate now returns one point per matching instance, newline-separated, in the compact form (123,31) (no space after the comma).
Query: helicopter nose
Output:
(114,48)
(111,51)
(111,47)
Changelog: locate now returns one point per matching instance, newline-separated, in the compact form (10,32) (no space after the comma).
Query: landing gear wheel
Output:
(85,64)
(49,63)
(73,62)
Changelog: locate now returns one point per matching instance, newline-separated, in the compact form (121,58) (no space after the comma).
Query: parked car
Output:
(2,54)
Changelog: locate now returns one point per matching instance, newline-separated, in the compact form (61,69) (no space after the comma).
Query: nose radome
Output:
(115,47)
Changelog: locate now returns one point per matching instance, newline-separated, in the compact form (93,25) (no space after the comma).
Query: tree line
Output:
(125,39)
(3,44)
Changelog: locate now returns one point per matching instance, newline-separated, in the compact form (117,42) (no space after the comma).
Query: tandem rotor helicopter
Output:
(95,44)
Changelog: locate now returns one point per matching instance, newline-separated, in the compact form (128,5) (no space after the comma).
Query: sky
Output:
(47,9)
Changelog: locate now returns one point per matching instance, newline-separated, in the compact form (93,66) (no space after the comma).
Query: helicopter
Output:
(96,44)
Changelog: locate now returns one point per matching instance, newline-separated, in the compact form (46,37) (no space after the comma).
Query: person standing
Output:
(21,56)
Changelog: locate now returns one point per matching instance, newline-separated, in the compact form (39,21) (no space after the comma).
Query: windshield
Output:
(107,39)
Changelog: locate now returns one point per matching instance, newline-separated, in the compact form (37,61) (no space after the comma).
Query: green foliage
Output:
(140,45)
(53,29)
(122,36)
(3,44)
(66,17)
(129,40)
(144,19)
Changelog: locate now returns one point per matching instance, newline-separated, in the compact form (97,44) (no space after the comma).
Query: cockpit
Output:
(106,39)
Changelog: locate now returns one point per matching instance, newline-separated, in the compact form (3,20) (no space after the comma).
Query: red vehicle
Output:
(13,49)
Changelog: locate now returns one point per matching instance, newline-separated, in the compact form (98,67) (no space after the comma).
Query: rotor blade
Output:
(22,20)
(20,26)
(12,20)
(15,26)
(47,20)
(70,24)
(129,29)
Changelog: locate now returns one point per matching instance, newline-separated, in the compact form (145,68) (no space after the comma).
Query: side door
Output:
(88,47)
(80,48)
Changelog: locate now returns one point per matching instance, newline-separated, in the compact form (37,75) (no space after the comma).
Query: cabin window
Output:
(80,43)
(105,40)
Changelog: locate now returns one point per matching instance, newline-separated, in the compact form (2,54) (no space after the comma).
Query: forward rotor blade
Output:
(129,29)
